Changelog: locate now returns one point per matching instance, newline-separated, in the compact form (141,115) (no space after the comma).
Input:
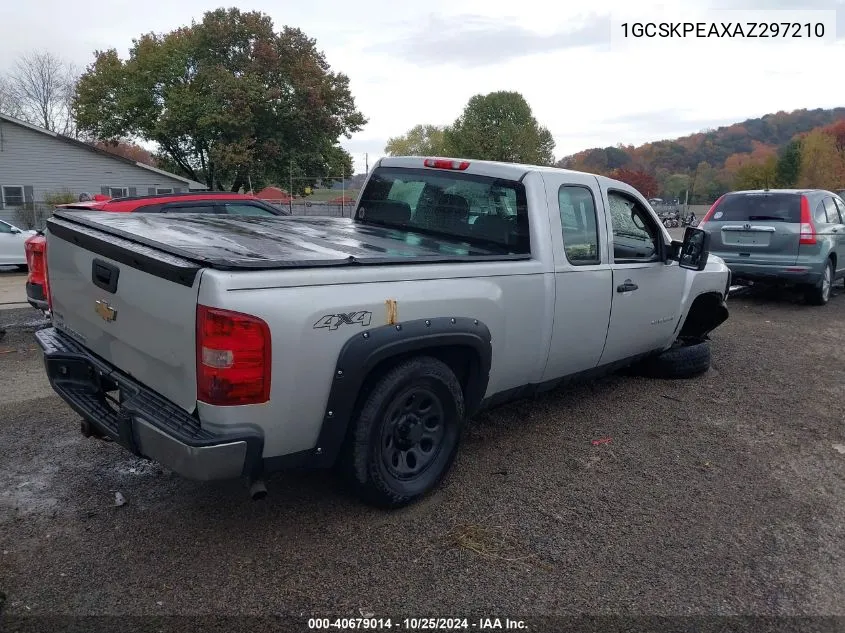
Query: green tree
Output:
(420,140)
(708,185)
(226,100)
(789,165)
(500,126)
(676,186)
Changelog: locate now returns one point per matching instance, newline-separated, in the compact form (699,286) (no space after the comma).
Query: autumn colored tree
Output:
(822,166)
(128,150)
(642,181)
(500,126)
(711,146)
(227,100)
(420,140)
(837,131)
(756,174)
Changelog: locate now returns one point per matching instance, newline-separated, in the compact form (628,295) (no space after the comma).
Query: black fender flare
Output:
(363,352)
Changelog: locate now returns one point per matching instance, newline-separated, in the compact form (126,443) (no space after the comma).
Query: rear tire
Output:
(819,294)
(685,359)
(406,434)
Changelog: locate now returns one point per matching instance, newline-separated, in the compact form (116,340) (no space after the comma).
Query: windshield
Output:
(451,205)
(759,207)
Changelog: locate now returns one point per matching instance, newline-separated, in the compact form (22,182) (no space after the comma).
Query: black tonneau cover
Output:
(263,242)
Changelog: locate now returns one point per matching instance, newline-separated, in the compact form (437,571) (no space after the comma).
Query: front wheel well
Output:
(706,313)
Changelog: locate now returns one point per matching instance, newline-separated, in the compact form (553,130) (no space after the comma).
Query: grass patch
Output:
(492,542)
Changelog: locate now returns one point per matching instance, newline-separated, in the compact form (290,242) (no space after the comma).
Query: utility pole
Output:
(342,191)
(366,163)
(290,190)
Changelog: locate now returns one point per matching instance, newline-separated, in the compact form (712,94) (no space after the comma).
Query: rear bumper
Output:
(792,274)
(143,422)
(35,296)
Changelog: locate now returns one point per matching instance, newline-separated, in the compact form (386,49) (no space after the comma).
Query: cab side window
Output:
(580,226)
(636,236)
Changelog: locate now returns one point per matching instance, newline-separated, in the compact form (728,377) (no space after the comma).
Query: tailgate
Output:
(757,243)
(129,304)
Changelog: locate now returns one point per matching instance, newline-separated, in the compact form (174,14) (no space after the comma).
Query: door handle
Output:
(628,286)
(104,275)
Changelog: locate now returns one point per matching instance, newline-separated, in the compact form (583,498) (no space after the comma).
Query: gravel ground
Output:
(721,495)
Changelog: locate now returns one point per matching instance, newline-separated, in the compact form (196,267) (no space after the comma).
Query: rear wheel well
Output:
(463,360)
(705,314)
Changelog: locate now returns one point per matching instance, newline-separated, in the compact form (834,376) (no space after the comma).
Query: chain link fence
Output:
(298,207)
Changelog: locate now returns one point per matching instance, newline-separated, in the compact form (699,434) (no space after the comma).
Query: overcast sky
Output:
(419,62)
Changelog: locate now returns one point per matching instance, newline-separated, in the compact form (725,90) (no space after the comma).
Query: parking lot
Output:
(720,495)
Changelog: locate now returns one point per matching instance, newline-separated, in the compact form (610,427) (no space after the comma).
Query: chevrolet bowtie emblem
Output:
(105,310)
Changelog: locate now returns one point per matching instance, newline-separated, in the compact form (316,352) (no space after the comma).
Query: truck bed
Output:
(257,242)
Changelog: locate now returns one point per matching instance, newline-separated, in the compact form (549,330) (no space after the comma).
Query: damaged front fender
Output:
(707,312)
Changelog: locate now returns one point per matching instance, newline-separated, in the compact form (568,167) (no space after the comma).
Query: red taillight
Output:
(808,228)
(36,260)
(443,163)
(233,358)
(711,211)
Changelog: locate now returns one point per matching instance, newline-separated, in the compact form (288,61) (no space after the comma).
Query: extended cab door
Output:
(582,274)
(646,291)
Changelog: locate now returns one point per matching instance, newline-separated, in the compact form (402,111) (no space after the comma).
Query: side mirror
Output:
(15,229)
(692,253)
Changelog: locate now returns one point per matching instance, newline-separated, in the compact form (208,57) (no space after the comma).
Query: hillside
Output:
(715,154)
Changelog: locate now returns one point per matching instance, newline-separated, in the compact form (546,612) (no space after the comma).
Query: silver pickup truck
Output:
(226,347)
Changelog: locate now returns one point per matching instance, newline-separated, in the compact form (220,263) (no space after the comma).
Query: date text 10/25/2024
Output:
(418,624)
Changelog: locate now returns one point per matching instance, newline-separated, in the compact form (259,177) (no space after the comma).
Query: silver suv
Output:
(787,236)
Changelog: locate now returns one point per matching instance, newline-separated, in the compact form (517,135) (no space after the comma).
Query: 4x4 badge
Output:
(105,310)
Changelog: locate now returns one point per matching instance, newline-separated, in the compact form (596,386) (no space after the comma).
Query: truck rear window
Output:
(759,207)
(452,205)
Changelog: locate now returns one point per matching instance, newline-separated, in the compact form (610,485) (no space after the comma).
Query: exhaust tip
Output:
(258,490)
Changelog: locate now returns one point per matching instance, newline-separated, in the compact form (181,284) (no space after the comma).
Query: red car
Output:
(37,288)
